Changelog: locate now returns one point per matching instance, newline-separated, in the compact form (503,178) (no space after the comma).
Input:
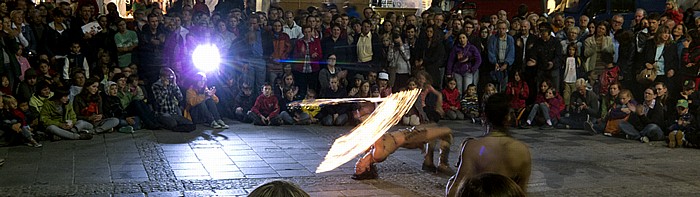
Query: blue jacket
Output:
(493,50)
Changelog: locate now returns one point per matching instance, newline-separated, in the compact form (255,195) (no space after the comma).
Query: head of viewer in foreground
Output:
(491,185)
(278,188)
(496,152)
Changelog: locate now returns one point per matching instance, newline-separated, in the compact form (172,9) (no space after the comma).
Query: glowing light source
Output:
(360,138)
(206,57)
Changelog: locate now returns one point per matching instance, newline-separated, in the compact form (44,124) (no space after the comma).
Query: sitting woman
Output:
(548,105)
(201,103)
(132,100)
(60,119)
(648,122)
(88,106)
(114,109)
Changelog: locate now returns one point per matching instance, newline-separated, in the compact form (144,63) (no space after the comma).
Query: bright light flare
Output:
(360,138)
(206,57)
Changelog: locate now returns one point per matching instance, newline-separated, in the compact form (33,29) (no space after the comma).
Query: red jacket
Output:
(300,53)
(266,105)
(450,99)
(519,93)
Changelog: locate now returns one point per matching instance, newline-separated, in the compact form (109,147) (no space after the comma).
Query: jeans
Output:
(288,118)
(205,112)
(80,125)
(140,109)
(652,131)
(257,72)
(454,115)
(242,115)
(539,107)
(170,121)
(106,124)
(338,121)
(137,123)
(463,81)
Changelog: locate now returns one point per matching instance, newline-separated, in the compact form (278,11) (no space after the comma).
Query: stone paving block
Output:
(129,195)
(132,167)
(258,170)
(221,167)
(91,179)
(55,178)
(230,192)
(326,194)
(129,174)
(187,166)
(273,155)
(246,164)
(239,152)
(197,172)
(294,173)
(247,158)
(102,172)
(182,159)
(258,176)
(164,194)
(374,192)
(226,175)
(199,193)
(284,166)
(279,160)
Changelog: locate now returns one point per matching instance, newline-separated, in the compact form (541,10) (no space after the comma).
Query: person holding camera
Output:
(399,57)
(584,105)
(201,103)
(167,102)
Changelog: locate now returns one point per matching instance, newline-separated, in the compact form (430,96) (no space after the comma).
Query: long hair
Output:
(657,36)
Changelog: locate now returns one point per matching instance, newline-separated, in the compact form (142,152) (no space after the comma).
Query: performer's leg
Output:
(428,164)
(443,164)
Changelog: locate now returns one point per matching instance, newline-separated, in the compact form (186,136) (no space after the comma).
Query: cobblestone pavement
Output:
(233,161)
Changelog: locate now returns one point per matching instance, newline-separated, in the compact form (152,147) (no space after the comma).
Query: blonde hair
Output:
(7,100)
(581,82)
(278,188)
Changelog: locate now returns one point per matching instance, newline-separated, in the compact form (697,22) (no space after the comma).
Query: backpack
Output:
(608,77)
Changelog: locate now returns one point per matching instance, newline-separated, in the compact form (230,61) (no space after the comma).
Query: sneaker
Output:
(607,134)
(215,125)
(644,139)
(222,124)
(588,126)
(546,127)
(85,136)
(126,129)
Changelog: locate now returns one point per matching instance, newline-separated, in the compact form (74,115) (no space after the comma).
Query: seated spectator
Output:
(167,96)
(313,111)
(291,115)
(490,184)
(518,90)
(266,109)
(59,118)
(366,108)
(646,122)
(287,83)
(415,114)
(583,107)
(14,122)
(5,87)
(28,86)
(88,106)
(430,99)
(683,123)
(113,109)
(383,83)
(278,188)
(331,70)
(354,88)
(334,115)
(75,60)
(489,89)
(470,104)
(228,90)
(450,103)
(509,157)
(620,111)
(76,86)
(243,102)
(364,91)
(132,100)
(47,74)
(40,97)
(548,105)
(201,103)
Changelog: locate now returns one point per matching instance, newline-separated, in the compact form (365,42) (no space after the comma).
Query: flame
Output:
(360,138)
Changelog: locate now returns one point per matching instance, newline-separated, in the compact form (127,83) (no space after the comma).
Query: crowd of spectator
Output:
(74,70)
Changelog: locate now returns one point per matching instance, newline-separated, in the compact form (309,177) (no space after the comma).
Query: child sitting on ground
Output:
(550,108)
(683,124)
(470,104)
(518,91)
(14,123)
(266,109)
(451,100)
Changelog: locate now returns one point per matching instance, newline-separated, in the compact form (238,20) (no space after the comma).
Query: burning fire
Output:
(360,138)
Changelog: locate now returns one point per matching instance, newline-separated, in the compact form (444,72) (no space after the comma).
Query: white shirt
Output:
(294,32)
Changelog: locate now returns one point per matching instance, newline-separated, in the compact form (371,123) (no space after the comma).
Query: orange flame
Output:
(360,138)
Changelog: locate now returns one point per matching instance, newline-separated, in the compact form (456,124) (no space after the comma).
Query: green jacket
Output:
(51,116)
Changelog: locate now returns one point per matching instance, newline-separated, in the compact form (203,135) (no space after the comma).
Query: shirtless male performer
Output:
(410,138)
(496,152)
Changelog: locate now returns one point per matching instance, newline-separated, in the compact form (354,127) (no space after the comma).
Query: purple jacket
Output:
(462,66)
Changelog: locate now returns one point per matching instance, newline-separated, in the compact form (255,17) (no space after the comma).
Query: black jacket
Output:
(670,54)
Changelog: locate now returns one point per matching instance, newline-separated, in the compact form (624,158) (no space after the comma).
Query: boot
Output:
(679,139)
(444,166)
(428,165)
(672,139)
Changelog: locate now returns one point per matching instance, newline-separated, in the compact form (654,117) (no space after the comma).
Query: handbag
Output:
(613,126)
(648,75)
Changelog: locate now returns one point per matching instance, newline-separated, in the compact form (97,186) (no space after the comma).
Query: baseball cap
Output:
(383,76)
(682,103)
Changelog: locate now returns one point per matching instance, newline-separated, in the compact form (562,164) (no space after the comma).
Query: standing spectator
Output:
(266,109)
(548,53)
(151,43)
(282,46)
(308,51)
(290,26)
(399,57)
(126,41)
(167,98)
(463,63)
(201,103)
(337,45)
(501,53)
(56,36)
(434,55)
(524,43)
(596,47)
(661,54)
(571,71)
(367,44)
